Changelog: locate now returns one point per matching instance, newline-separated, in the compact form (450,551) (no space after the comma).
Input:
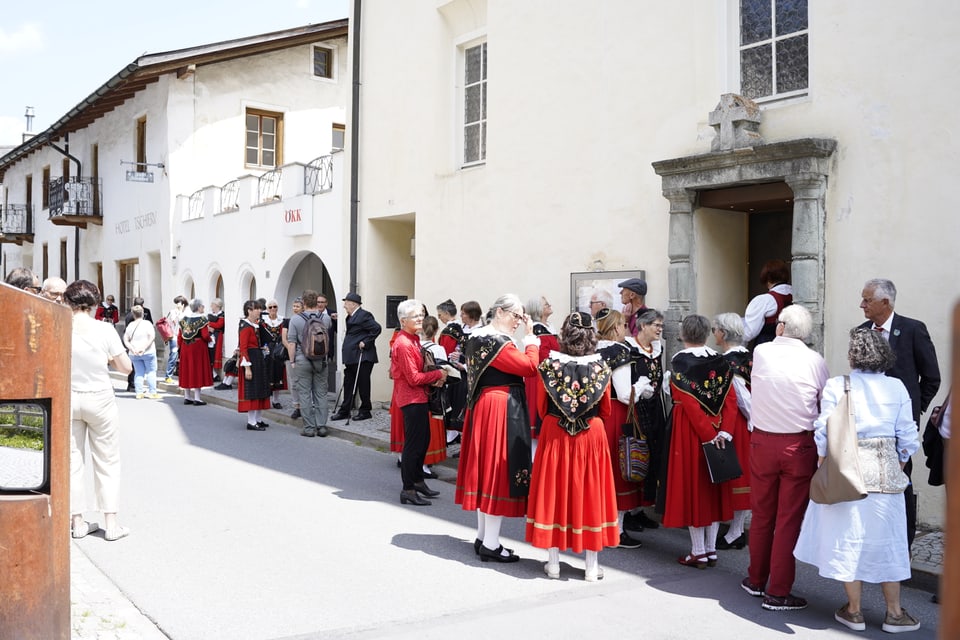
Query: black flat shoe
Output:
(254,427)
(479,543)
(340,416)
(646,521)
(262,424)
(188,402)
(739,543)
(199,403)
(424,490)
(410,496)
(497,555)
(430,475)
(363,415)
(277,405)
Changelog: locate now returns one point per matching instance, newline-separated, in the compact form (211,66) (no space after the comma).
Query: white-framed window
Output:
(338,134)
(323,62)
(264,136)
(773,49)
(474,103)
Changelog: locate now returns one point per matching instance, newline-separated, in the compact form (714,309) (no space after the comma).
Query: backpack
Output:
(315,342)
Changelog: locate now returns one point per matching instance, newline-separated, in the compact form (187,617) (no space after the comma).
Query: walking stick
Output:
(356,382)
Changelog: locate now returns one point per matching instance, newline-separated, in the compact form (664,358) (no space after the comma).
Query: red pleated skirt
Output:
(482,475)
(437,449)
(396,426)
(573,502)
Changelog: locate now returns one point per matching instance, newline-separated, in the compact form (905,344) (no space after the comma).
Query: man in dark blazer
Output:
(359,355)
(916,365)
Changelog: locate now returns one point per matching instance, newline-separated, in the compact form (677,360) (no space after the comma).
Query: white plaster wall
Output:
(584,97)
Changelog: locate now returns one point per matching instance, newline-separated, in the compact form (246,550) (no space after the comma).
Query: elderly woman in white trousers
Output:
(95,418)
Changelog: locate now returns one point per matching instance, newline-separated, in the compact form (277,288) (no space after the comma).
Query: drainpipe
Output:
(76,230)
(355,144)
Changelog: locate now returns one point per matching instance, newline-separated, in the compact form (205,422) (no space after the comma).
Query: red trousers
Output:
(780,468)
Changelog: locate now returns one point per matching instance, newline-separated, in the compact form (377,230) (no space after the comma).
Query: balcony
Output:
(76,202)
(16,223)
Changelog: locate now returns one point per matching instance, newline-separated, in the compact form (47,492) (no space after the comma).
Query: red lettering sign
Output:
(291,215)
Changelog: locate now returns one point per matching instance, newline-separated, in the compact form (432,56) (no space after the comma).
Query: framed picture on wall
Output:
(599,285)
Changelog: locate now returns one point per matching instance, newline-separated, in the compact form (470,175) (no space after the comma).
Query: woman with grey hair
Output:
(493,477)
(866,540)
(539,310)
(704,411)
(728,332)
(192,343)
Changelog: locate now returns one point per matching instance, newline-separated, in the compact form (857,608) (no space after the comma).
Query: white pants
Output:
(96,420)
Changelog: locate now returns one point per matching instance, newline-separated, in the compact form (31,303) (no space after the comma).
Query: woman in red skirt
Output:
(615,352)
(493,476)
(573,502)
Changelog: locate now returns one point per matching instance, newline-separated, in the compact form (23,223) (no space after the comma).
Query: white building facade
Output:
(528,141)
(214,171)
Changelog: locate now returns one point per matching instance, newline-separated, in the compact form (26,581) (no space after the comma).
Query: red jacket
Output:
(406,368)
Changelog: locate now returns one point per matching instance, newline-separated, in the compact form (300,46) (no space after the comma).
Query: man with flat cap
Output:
(359,355)
(633,295)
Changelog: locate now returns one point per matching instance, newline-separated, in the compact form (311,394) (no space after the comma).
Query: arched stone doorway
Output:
(803,165)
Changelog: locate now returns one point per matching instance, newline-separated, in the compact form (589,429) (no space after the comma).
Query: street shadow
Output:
(448,547)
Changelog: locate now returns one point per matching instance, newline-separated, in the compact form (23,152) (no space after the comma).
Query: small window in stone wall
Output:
(774,53)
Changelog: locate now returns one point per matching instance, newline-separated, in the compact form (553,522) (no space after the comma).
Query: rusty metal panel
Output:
(35,524)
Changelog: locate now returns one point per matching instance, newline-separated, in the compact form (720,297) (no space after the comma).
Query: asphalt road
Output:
(267,535)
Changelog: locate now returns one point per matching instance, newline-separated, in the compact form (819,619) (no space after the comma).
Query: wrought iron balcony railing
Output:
(268,186)
(75,198)
(318,175)
(16,220)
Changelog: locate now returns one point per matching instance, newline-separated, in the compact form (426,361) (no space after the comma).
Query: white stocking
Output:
(481,529)
(491,537)
(553,556)
(696,541)
(736,525)
(620,515)
(592,564)
(711,535)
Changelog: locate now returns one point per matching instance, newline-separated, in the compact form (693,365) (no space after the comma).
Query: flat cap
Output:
(636,285)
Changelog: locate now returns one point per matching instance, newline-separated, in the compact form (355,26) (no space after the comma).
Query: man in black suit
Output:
(916,365)
(359,355)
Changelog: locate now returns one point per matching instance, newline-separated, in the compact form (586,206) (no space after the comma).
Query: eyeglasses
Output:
(32,289)
(272,306)
(657,325)
(592,302)
(419,316)
(519,317)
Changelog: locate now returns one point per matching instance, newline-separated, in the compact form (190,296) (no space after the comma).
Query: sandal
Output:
(690,560)
(116,533)
(85,530)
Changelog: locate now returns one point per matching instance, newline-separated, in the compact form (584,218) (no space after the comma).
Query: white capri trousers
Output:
(96,420)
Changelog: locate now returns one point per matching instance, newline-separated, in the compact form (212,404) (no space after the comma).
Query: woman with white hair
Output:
(195,371)
(866,540)
(493,477)
(271,337)
(728,332)
(539,310)
(410,384)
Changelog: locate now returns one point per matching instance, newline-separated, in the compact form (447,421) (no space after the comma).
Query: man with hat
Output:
(633,295)
(359,355)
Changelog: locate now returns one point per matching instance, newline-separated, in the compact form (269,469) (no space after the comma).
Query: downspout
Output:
(355,144)
(76,230)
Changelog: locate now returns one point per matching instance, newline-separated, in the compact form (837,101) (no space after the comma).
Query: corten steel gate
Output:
(34,466)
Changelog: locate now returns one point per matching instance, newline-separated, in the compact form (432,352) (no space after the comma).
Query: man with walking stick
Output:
(359,356)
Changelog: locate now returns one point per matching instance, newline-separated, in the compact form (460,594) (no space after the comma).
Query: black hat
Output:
(636,285)
(353,297)
(581,319)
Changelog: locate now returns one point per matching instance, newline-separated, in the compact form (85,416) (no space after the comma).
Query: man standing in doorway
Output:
(310,374)
(916,364)
(359,356)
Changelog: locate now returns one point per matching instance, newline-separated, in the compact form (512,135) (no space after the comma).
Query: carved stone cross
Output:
(737,123)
